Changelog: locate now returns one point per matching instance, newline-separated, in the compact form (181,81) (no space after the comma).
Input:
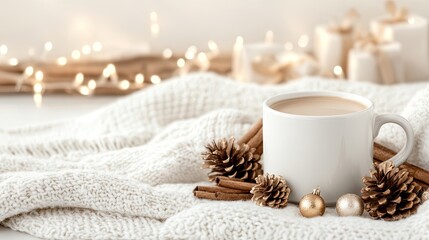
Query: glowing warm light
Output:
(96,47)
(13,61)
(411,20)
(213,46)
(154,25)
(288,46)
(181,62)
(48,46)
(61,61)
(338,71)
(3,49)
(202,57)
(167,53)
(191,52)
(204,61)
(155,79)
(84,90)
(38,99)
(28,71)
(106,72)
(109,70)
(154,28)
(86,49)
(124,84)
(75,54)
(78,80)
(39,76)
(92,84)
(239,40)
(153,17)
(303,41)
(269,36)
(139,78)
(38,88)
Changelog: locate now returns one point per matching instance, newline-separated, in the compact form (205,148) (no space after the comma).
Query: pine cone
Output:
(390,193)
(425,196)
(271,191)
(225,158)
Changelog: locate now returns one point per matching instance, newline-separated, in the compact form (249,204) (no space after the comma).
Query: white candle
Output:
(331,48)
(413,37)
(364,65)
(3,52)
(237,61)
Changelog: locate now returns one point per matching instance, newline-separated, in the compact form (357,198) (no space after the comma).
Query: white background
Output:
(69,24)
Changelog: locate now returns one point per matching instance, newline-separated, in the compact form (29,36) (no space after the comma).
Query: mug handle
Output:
(405,152)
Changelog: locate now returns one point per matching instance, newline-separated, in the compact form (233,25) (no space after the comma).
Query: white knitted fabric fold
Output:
(127,170)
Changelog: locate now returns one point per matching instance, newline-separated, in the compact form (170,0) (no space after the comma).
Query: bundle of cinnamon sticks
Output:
(227,189)
(253,137)
(237,189)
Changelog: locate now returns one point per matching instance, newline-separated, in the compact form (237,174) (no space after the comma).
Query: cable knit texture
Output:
(127,170)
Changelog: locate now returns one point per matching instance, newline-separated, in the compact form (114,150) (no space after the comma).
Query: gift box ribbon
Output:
(395,14)
(346,25)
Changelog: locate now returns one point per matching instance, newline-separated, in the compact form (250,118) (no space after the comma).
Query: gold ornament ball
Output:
(349,205)
(312,205)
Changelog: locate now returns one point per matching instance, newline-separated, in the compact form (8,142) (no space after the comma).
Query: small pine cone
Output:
(425,196)
(225,158)
(270,190)
(390,193)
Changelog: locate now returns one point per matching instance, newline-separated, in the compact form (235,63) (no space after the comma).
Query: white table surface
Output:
(20,110)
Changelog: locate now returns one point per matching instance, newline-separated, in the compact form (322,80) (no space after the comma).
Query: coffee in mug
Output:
(318,106)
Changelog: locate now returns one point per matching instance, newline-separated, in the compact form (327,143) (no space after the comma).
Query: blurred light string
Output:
(109,75)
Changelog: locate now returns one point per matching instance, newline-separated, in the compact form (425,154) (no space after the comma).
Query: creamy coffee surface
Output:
(318,106)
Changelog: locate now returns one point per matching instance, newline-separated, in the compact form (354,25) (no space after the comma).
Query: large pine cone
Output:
(271,191)
(225,158)
(390,193)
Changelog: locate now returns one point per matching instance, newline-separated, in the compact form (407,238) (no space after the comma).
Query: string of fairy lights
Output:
(108,77)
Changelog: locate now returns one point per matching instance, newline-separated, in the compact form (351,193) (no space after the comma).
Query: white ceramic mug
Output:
(333,152)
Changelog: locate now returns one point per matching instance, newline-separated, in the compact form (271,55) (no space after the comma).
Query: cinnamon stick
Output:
(382,154)
(251,133)
(246,186)
(222,196)
(256,140)
(218,178)
(215,189)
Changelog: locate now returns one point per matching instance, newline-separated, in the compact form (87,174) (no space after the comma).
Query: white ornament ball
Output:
(349,205)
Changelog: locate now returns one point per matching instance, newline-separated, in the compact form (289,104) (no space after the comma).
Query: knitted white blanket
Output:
(127,170)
